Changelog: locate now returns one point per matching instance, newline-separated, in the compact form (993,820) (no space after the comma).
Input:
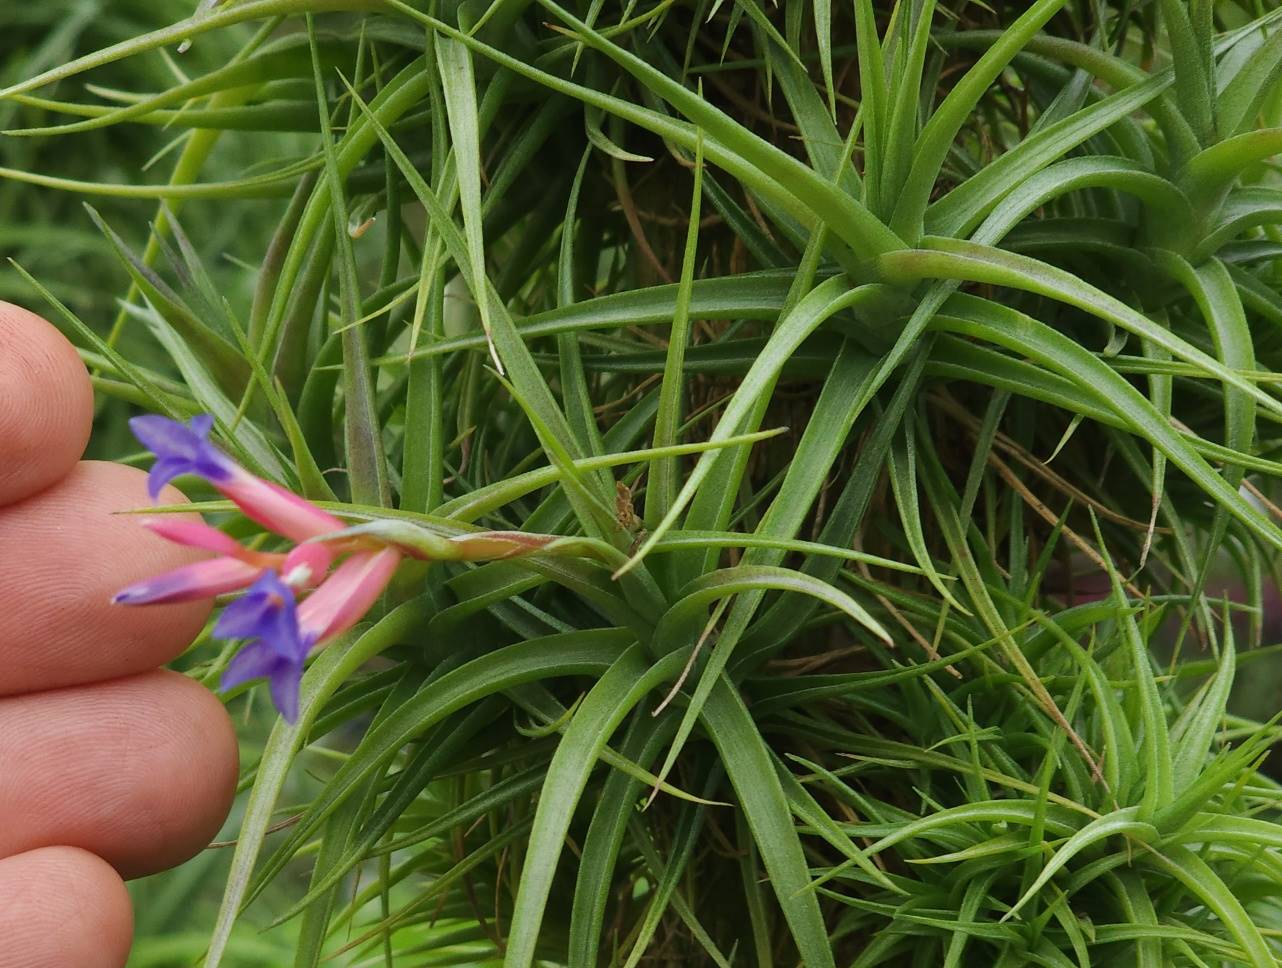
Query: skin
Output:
(110,766)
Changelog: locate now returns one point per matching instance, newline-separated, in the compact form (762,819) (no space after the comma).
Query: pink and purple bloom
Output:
(186,449)
(282,632)
(267,615)
(293,601)
(281,629)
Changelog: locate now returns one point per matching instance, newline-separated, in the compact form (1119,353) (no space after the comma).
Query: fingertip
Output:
(77,552)
(199,754)
(63,906)
(141,771)
(46,404)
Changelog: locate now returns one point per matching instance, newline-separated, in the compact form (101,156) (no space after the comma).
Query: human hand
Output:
(110,767)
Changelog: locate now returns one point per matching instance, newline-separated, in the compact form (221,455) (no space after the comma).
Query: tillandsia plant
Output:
(842,438)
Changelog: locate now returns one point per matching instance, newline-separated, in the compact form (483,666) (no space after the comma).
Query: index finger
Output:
(46,404)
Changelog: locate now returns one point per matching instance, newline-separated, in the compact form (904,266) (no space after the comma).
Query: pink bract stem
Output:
(197,534)
(347,594)
(275,508)
(204,579)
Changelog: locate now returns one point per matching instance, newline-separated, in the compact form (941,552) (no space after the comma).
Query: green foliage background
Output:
(904,374)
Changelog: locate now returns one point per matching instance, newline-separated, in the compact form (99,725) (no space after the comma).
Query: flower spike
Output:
(280,627)
(292,601)
(280,631)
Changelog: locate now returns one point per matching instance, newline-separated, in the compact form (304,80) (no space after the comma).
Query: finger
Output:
(140,771)
(59,907)
(63,554)
(46,404)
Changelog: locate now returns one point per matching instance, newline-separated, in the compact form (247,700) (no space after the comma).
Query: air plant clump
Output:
(844,440)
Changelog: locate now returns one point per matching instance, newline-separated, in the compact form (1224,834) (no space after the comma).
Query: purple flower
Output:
(267,614)
(267,610)
(186,449)
(282,632)
(181,449)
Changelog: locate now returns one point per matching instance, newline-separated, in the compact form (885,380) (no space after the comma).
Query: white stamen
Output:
(298,576)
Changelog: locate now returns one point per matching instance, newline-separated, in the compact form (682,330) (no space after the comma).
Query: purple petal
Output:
(181,449)
(285,682)
(267,612)
(158,433)
(255,661)
(249,617)
(279,635)
(259,661)
(162,472)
